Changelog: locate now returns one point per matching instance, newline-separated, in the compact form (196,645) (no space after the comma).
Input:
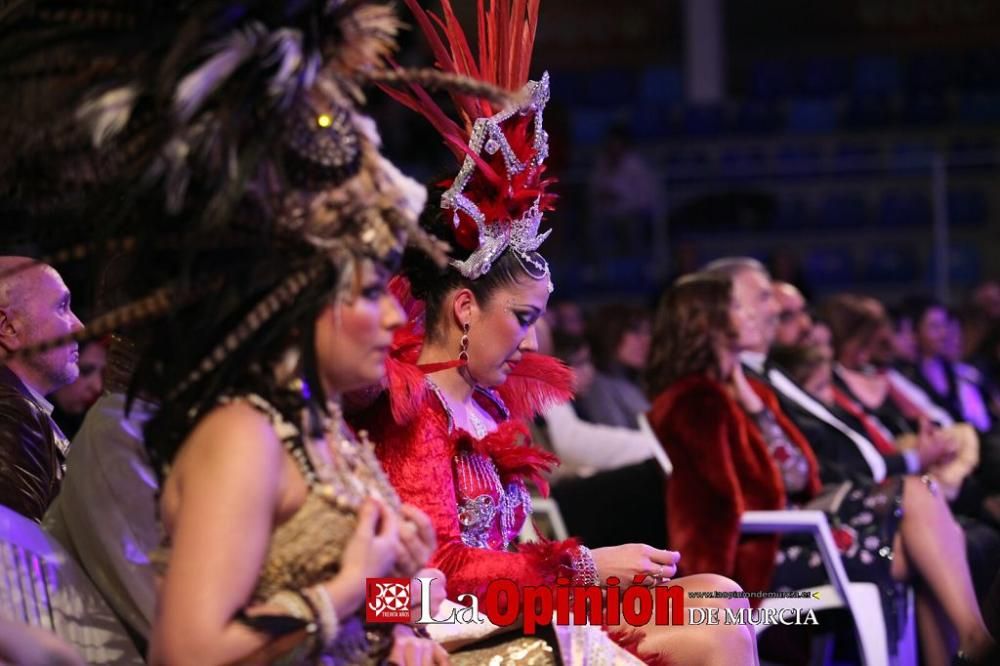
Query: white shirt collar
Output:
(755,360)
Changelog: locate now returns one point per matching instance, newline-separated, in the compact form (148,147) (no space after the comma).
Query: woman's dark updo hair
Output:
(431,284)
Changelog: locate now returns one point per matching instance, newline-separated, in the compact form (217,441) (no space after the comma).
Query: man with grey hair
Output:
(34,308)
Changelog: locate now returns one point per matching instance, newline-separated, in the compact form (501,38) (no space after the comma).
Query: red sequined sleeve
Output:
(419,459)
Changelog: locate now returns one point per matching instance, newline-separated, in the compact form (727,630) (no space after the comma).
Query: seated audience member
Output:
(34,308)
(863,388)
(810,366)
(986,297)
(986,359)
(966,463)
(565,316)
(583,447)
(795,325)
(904,337)
(619,342)
(105,515)
(958,388)
(73,400)
(734,450)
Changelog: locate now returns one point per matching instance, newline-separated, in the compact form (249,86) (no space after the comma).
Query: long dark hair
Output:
(213,347)
(691,314)
(431,283)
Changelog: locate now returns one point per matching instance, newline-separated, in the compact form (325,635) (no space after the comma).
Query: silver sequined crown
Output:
(520,236)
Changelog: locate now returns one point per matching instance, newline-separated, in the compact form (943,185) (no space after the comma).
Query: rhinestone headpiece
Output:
(499,194)
(521,235)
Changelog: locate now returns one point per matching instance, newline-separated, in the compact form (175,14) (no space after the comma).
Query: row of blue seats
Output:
(932,74)
(927,72)
(788,161)
(895,208)
(590,124)
(831,267)
(825,269)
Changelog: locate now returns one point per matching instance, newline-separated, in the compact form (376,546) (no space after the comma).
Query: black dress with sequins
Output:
(864,519)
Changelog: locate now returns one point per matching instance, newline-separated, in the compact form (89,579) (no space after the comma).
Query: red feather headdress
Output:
(500,193)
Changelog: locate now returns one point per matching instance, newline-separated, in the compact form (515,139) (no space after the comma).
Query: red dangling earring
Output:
(463,349)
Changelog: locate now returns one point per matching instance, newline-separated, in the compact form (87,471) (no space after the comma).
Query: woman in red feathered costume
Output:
(463,379)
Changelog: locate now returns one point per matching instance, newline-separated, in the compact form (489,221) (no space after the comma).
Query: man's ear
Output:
(464,306)
(8,331)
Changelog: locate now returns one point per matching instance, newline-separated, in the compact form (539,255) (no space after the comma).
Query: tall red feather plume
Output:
(506,35)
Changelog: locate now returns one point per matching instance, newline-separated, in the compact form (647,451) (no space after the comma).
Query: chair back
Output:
(41,585)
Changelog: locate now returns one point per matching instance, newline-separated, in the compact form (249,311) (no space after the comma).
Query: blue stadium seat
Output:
(868,111)
(655,121)
(792,214)
(852,157)
(972,151)
(979,108)
(794,160)
(924,110)
(661,85)
(843,210)
(910,156)
(890,263)
(589,126)
(964,264)
(812,116)
(742,162)
(826,76)
(979,71)
(931,73)
(772,79)
(703,120)
(876,75)
(829,268)
(904,209)
(968,207)
(755,116)
(611,87)
(686,162)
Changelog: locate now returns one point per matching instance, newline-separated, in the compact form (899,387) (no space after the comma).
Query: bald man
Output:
(794,322)
(34,307)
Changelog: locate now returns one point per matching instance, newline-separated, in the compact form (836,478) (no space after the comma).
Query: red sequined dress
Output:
(473,489)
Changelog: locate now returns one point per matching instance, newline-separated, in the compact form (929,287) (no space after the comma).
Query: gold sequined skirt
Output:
(522,651)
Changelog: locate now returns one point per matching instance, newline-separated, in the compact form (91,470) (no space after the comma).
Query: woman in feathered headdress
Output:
(465,374)
(217,149)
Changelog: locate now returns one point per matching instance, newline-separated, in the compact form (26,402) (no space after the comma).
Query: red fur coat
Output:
(722,468)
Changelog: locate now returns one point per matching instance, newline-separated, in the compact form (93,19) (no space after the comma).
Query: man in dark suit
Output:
(34,307)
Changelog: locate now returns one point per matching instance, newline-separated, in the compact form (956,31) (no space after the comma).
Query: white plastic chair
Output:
(862,600)
(41,585)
